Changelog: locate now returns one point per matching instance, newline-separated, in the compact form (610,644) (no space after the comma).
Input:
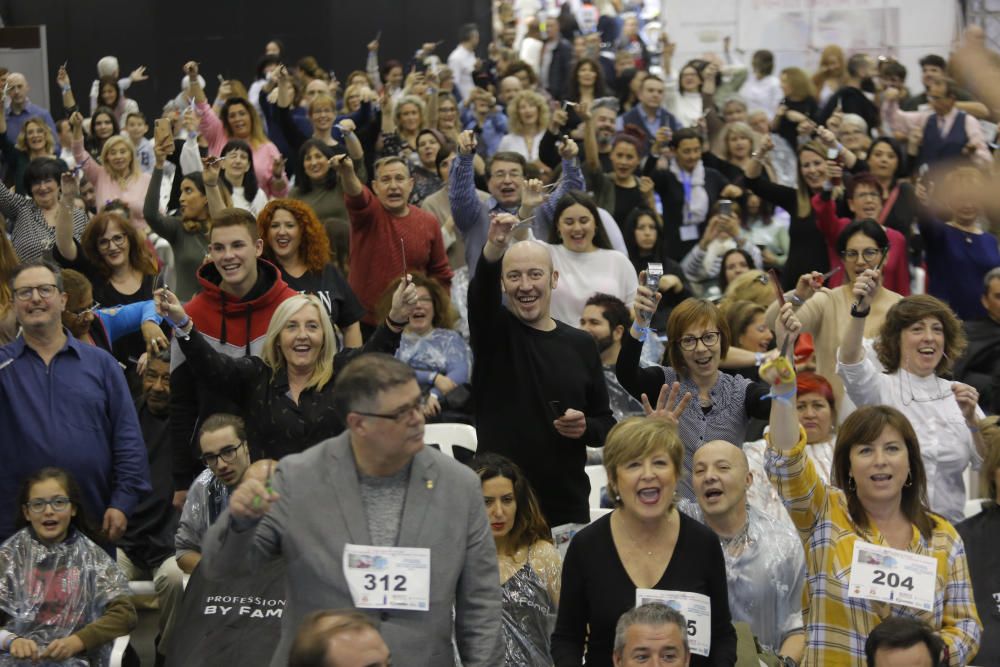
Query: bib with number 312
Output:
(388,577)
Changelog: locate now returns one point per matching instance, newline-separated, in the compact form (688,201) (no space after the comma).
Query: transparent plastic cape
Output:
(49,592)
(529,608)
(765,570)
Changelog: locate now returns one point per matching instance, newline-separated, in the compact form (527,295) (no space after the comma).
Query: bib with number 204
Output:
(889,575)
(697,611)
(388,577)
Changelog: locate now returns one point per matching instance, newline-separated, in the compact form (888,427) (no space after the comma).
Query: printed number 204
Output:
(892,580)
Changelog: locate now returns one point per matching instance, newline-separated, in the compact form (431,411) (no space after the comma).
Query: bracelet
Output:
(395,324)
(860,314)
(10,640)
(183,323)
(758,358)
(643,332)
(972,429)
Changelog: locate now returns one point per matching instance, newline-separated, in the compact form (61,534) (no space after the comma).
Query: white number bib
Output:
(890,575)
(388,577)
(697,611)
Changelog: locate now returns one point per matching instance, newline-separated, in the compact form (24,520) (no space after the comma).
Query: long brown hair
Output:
(865,425)
(803,195)
(530,526)
(139,256)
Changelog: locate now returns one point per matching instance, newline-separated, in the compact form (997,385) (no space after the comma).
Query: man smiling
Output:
(239,293)
(540,391)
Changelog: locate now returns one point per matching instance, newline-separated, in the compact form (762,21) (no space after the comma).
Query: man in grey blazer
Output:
(372,492)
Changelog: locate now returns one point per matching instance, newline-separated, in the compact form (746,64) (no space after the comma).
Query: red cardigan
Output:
(376,258)
(895,273)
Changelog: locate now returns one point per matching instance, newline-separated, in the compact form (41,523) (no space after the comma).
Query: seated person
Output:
(606,318)
(226,455)
(64,598)
(335,638)
(899,640)
(651,630)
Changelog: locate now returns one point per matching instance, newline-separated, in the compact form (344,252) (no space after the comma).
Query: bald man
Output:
(21,108)
(540,393)
(765,563)
(345,638)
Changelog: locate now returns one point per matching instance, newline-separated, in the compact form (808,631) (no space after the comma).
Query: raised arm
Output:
(466,209)
(65,243)
(68,100)
(349,180)
(83,159)
(635,380)
(167,227)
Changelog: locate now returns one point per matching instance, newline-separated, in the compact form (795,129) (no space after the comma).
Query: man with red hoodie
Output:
(239,293)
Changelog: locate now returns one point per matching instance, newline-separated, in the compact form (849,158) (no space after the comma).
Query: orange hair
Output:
(315,247)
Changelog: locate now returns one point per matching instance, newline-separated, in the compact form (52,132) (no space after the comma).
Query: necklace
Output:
(909,389)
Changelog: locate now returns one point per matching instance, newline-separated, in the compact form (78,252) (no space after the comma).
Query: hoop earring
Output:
(852,486)
(909,480)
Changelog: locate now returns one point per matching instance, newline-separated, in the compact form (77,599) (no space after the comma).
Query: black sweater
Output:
(979,533)
(276,425)
(519,372)
(596,590)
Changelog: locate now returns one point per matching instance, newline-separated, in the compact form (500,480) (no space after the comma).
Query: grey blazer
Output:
(319,510)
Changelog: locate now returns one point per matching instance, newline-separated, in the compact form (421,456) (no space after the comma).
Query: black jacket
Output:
(979,533)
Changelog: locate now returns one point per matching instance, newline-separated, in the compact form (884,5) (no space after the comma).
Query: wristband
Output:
(183,323)
(393,323)
(643,332)
(66,89)
(972,429)
(758,358)
(8,641)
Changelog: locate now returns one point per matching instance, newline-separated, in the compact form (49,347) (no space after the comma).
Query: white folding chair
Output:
(598,480)
(974,506)
(597,512)
(449,436)
(118,651)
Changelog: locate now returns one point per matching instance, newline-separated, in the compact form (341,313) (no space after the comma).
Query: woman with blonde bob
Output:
(286,395)
(645,543)
(877,496)
(117,176)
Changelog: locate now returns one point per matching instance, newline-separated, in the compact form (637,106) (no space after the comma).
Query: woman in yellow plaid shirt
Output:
(876,461)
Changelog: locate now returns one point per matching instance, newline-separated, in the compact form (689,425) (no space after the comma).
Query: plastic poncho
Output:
(50,592)
(765,572)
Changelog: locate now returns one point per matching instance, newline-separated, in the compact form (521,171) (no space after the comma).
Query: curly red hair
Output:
(315,247)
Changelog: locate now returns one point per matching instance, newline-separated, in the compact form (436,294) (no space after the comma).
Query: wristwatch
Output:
(787,662)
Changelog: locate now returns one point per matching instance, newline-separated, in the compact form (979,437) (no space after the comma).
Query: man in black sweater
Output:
(539,388)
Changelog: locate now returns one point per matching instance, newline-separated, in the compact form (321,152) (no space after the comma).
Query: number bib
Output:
(884,574)
(697,611)
(388,577)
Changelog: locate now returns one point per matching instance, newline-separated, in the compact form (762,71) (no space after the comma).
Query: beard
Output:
(603,343)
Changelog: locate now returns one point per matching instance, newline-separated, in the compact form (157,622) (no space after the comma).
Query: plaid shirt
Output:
(838,625)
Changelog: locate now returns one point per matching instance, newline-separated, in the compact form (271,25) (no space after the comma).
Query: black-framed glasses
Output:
(399,415)
(118,239)
(58,504)
(708,339)
(44,291)
(227,454)
(869,254)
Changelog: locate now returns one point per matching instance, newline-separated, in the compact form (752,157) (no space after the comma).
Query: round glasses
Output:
(708,339)
(59,504)
(227,454)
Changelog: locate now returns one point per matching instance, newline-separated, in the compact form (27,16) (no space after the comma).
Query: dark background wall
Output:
(227,36)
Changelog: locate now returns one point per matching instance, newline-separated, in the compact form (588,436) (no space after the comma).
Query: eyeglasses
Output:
(118,239)
(227,454)
(59,504)
(868,254)
(867,194)
(425,299)
(400,414)
(44,291)
(503,175)
(92,308)
(708,339)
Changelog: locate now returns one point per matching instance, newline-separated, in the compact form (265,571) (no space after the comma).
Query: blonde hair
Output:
(801,87)
(272,354)
(22,136)
(738,129)
(414,100)
(514,116)
(635,438)
(133,167)
(323,99)
(353,89)
(753,285)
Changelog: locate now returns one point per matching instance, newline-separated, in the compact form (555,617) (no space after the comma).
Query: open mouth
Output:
(712,494)
(50,524)
(703,363)
(527,299)
(282,242)
(649,496)
(927,352)
(881,478)
(508,191)
(231,268)
(302,348)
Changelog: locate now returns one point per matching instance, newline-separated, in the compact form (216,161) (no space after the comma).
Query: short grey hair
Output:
(364,378)
(991,275)
(648,614)
(610,103)
(855,121)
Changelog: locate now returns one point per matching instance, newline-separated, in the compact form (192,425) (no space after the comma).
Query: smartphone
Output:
(162,129)
(726,207)
(556,408)
(922,173)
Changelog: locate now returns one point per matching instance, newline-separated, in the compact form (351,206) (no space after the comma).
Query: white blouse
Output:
(517,144)
(946,445)
(582,274)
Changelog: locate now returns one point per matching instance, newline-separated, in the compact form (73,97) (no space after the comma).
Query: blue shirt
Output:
(16,121)
(76,414)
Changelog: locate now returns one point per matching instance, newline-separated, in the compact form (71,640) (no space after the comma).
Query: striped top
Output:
(30,233)
(838,625)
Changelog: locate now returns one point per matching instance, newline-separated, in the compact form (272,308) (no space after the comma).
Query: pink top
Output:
(107,188)
(263,156)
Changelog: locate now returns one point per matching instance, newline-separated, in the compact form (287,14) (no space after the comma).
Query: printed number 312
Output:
(385,582)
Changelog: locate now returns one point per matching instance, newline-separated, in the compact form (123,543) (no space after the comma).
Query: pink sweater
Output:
(107,188)
(263,156)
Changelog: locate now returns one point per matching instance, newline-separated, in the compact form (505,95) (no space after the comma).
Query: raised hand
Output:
(808,284)
(404,300)
(568,149)
(138,74)
(668,407)
(191,69)
(342,163)
(169,306)
(501,228)
(865,287)
(68,187)
(62,77)
(467,142)
(278,168)
(646,300)
(967,398)
(533,193)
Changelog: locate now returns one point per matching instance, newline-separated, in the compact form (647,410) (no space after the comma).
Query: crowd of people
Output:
(766,303)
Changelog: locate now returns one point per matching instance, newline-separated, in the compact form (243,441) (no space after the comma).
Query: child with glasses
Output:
(64,598)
